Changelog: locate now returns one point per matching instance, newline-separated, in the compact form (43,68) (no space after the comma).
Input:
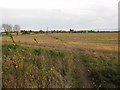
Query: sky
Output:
(60,14)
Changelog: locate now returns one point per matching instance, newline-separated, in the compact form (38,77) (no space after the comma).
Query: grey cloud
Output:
(95,15)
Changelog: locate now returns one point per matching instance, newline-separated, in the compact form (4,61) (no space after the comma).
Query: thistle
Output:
(12,38)
(35,40)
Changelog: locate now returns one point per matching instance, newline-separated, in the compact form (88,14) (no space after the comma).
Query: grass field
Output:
(68,60)
(93,41)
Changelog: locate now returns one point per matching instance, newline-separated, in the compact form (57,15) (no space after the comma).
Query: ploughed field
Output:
(84,60)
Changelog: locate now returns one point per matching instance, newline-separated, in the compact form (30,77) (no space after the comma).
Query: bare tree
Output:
(7,28)
(16,28)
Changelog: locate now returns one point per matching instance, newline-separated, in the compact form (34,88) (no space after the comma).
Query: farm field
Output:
(84,60)
(99,42)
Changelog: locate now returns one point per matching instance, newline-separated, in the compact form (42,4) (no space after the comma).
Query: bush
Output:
(25,32)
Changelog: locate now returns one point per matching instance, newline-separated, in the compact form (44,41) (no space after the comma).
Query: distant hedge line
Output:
(61,31)
(71,31)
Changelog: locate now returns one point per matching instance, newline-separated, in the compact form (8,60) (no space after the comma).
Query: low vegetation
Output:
(36,68)
(105,71)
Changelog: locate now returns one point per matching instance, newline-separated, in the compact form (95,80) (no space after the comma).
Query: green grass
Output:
(105,71)
(40,68)
(33,68)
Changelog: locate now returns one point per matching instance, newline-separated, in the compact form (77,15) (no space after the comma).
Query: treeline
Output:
(61,31)
(9,28)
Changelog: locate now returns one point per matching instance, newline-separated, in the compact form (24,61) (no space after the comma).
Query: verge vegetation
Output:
(33,68)
(105,71)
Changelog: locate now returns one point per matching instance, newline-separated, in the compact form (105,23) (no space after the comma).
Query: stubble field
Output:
(94,56)
(106,43)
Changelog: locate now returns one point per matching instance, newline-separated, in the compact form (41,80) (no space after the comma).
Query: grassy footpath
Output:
(105,71)
(33,68)
(39,68)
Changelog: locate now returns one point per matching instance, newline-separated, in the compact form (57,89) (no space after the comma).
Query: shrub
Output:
(25,32)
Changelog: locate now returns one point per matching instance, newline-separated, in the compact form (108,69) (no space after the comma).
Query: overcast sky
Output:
(60,14)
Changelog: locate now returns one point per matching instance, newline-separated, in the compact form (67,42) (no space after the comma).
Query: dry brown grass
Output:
(64,41)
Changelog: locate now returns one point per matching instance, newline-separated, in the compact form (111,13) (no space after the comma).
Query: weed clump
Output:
(35,68)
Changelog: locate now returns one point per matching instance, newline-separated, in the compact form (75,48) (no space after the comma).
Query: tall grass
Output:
(36,68)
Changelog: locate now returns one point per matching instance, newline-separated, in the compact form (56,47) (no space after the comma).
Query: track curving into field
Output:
(81,70)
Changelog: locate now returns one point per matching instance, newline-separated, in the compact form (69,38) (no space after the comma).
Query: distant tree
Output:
(16,28)
(41,31)
(25,32)
(7,28)
(71,30)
